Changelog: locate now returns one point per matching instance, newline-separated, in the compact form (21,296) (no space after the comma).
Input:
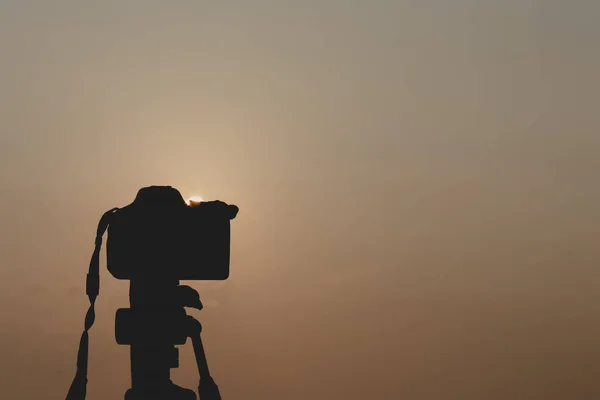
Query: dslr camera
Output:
(161,236)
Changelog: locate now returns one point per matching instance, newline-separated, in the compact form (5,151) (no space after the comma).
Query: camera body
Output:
(160,236)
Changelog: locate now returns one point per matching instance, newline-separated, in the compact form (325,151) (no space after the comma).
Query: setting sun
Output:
(194,199)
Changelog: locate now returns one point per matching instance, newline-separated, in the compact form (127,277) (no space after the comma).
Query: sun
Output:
(194,199)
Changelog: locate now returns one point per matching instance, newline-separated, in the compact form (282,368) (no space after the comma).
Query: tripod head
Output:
(154,242)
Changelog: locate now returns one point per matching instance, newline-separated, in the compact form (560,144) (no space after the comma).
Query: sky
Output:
(419,206)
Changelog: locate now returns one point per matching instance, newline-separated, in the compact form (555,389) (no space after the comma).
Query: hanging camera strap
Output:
(77,391)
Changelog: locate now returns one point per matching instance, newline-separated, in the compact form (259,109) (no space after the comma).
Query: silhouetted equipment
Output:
(155,242)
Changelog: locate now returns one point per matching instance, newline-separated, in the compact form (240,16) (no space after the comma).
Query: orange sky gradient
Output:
(417,182)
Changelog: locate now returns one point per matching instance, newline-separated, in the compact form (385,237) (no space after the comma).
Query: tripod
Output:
(156,321)
(153,325)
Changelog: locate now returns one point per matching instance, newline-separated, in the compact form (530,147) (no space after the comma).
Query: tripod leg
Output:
(207,389)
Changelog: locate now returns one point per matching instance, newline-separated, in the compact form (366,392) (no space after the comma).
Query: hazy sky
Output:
(420,209)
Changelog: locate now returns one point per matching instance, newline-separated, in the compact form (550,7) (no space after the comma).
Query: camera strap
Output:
(77,391)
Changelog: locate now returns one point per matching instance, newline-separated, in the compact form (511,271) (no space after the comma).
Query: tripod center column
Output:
(153,353)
